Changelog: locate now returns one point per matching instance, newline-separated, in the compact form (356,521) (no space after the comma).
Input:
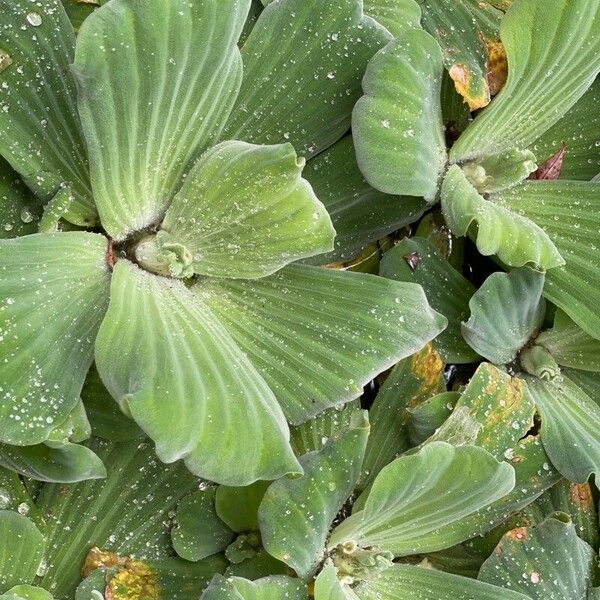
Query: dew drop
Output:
(5,499)
(34,19)
(26,215)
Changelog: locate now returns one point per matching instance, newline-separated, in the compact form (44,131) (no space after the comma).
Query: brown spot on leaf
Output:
(428,366)
(580,495)
(550,169)
(519,534)
(463,82)
(497,66)
(412,260)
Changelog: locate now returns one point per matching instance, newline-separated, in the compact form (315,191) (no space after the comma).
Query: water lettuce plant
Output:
(298,299)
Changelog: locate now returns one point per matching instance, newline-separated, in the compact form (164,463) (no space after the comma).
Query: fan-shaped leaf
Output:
(505,312)
(173,80)
(570,421)
(54,291)
(21,549)
(244,211)
(568,212)
(310,503)
(238,506)
(407,582)
(28,592)
(318,336)
(516,239)
(221,417)
(553,52)
(579,132)
(198,531)
(415,259)
(416,496)
(19,211)
(40,133)
(397,124)
(360,214)
(395,15)
(301,87)
(276,587)
(428,416)
(56,462)
(546,562)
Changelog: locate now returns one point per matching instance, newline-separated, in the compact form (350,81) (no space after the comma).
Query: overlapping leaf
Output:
(397,124)
(54,290)
(318,336)
(171,72)
(170,363)
(267,588)
(243,211)
(19,211)
(395,15)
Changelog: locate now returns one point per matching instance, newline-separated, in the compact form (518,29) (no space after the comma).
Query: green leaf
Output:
(21,549)
(318,336)
(276,587)
(570,420)
(360,214)
(296,514)
(569,345)
(303,64)
(412,380)
(416,496)
(59,462)
(40,132)
(546,562)
(568,212)
(107,420)
(408,582)
(540,38)
(497,228)
(506,311)
(579,131)
(19,210)
(28,592)
(428,416)
(463,29)
(494,412)
(395,15)
(238,506)
(54,290)
(221,417)
(329,587)
(244,211)
(172,89)
(399,119)
(126,514)
(198,531)
(416,259)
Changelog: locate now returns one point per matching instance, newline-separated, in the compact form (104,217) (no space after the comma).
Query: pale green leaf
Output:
(411,381)
(397,124)
(238,506)
(497,228)
(360,213)
(428,416)
(408,582)
(275,587)
(198,531)
(569,345)
(545,562)
(21,549)
(494,412)
(579,131)
(295,515)
(416,259)
(506,311)
(553,52)
(29,592)
(570,421)
(170,72)
(568,212)
(56,462)
(40,132)
(221,418)
(418,496)
(395,15)
(318,336)
(244,211)
(19,210)
(462,28)
(303,64)
(329,587)
(54,290)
